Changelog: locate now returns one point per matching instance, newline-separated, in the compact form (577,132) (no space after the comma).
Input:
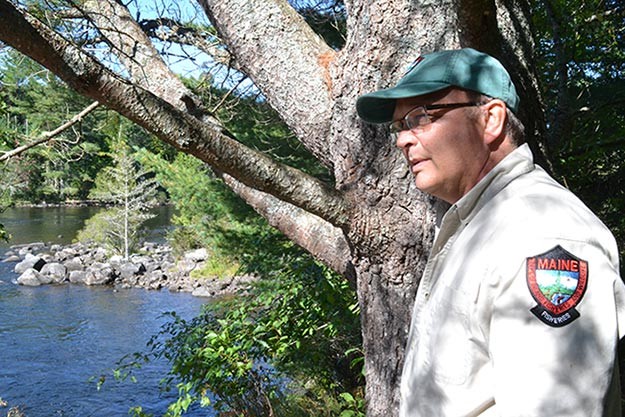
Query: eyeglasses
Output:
(418,117)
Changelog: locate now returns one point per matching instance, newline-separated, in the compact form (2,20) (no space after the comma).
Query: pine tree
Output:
(124,185)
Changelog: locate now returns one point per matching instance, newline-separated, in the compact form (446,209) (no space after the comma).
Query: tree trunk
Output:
(378,227)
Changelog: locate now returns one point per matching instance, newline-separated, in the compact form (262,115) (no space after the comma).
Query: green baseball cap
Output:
(465,68)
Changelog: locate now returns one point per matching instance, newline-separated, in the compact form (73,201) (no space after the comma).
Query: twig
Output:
(46,136)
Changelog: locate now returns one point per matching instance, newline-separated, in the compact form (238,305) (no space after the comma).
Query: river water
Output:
(54,339)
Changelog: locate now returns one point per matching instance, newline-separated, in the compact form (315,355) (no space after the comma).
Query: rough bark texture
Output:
(376,224)
(286,60)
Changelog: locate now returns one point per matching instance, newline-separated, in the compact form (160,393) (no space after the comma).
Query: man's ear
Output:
(495,120)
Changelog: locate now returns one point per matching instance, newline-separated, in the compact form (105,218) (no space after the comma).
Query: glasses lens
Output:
(417,118)
(397,126)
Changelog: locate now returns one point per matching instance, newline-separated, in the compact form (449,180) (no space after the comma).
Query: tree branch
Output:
(46,136)
(284,58)
(182,35)
(330,246)
(135,50)
(323,241)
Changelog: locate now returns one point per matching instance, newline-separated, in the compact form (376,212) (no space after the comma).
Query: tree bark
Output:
(285,59)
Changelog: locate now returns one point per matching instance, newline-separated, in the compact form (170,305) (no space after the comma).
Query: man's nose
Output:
(405,138)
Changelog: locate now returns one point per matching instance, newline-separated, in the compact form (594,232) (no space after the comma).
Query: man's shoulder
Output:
(534,206)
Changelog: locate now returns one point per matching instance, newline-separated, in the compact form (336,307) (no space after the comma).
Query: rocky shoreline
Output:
(88,264)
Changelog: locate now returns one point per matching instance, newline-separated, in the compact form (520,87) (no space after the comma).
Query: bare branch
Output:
(46,136)
(323,241)
(177,32)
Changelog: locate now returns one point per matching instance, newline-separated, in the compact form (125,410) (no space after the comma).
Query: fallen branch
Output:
(46,136)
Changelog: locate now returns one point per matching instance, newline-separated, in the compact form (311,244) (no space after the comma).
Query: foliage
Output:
(127,187)
(290,348)
(253,122)
(581,50)
(257,353)
(205,208)
(35,101)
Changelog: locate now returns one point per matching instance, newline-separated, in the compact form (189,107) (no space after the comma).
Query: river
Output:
(54,339)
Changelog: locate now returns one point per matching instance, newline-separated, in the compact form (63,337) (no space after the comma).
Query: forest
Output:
(247,127)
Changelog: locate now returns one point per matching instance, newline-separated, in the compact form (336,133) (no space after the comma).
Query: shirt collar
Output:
(518,162)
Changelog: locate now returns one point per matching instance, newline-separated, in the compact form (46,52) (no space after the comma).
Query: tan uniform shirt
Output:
(517,313)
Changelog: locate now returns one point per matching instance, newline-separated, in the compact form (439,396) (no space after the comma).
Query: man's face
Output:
(449,155)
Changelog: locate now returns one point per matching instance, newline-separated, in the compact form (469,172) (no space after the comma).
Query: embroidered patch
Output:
(557,281)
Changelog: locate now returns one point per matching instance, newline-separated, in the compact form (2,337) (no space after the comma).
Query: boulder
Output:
(203,292)
(99,274)
(12,258)
(30,261)
(56,271)
(197,255)
(30,277)
(129,270)
(74,264)
(185,266)
(100,254)
(77,277)
(66,253)
(116,259)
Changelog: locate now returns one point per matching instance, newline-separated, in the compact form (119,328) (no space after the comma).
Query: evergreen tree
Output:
(126,186)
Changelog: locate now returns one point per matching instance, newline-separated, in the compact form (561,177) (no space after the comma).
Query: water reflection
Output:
(60,224)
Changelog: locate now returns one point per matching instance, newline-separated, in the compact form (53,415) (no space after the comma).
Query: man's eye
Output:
(397,126)
(416,120)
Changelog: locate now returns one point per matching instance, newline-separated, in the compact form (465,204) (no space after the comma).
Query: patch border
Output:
(549,313)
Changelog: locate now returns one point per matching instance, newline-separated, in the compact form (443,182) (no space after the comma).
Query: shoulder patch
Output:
(557,280)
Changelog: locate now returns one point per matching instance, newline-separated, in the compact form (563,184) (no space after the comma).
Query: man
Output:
(520,308)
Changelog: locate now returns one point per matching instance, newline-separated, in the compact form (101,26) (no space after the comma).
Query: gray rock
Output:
(30,278)
(185,266)
(74,264)
(203,292)
(56,271)
(99,274)
(128,270)
(66,253)
(30,261)
(100,254)
(77,277)
(116,259)
(197,255)
(12,258)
